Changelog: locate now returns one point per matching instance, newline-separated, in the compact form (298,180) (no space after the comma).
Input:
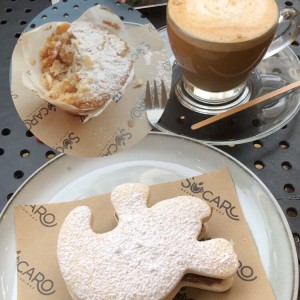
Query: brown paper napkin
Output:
(120,126)
(37,228)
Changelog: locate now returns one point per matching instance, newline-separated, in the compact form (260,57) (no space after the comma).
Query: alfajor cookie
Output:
(150,254)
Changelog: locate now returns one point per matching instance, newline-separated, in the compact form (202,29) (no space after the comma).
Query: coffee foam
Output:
(224,21)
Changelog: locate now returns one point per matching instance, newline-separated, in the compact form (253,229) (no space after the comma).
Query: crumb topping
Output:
(85,65)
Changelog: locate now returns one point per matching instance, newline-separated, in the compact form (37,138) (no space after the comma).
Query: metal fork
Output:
(155,102)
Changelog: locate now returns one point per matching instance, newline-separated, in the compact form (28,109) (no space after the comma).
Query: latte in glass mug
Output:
(219,42)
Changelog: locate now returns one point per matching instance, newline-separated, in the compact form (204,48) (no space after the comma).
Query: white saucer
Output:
(252,124)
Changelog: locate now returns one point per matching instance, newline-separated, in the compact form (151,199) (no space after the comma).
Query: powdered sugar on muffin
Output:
(85,65)
(147,254)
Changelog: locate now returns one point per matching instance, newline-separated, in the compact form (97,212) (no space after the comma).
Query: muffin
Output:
(85,65)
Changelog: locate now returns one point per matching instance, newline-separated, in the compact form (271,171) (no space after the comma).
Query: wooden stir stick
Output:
(287,88)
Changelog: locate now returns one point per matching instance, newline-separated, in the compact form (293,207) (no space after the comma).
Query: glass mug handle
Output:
(289,34)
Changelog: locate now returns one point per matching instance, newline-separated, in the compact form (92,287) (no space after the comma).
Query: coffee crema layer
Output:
(224,21)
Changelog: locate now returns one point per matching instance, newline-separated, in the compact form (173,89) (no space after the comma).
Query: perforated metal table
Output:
(274,159)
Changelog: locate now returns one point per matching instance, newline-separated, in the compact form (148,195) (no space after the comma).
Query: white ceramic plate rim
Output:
(163,168)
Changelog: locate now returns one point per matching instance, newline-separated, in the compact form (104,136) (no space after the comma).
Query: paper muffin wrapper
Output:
(113,128)
(33,41)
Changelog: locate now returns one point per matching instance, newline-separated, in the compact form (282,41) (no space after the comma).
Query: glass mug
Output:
(218,43)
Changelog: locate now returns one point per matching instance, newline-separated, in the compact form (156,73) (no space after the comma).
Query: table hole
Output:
(22,22)
(9,196)
(117,2)
(66,15)
(24,153)
(296,237)
(130,9)
(284,145)
(256,122)
(96,3)
(288,3)
(286,165)
(5,131)
(76,6)
(258,144)
(292,212)
(2,22)
(50,154)
(29,133)
(54,8)
(259,165)
(8,9)
(44,17)
(32,25)
(2,151)
(27,10)
(64,0)
(284,127)
(18,174)
(122,18)
(17,35)
(180,120)
(289,188)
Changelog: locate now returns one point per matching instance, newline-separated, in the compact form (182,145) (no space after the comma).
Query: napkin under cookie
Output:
(37,228)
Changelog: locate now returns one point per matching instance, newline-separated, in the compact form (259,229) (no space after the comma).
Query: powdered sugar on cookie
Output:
(147,254)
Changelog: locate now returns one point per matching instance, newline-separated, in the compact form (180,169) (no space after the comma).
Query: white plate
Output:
(158,158)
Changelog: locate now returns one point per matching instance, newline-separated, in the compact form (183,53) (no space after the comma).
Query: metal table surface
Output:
(274,159)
